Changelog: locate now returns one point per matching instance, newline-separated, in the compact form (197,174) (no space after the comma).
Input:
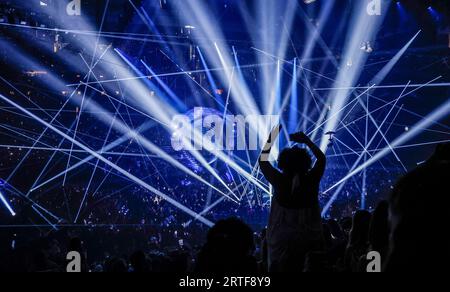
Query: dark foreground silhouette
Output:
(409,231)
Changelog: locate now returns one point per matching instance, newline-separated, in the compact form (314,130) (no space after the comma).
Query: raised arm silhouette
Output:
(295,225)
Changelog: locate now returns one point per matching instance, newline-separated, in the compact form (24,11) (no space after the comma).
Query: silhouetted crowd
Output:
(409,231)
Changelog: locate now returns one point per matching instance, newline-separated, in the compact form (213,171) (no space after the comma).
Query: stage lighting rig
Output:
(331,138)
(367,47)
(34,73)
(188,29)
(58,45)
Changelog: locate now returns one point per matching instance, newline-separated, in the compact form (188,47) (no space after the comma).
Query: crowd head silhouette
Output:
(294,161)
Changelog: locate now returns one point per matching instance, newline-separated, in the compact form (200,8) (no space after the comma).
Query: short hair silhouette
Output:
(379,229)
(139,262)
(294,160)
(229,248)
(359,234)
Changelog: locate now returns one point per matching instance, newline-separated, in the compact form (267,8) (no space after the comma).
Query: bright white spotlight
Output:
(7,205)
(309,1)
(349,63)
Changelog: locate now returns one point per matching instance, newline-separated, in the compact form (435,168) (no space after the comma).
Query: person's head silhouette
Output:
(359,234)
(294,161)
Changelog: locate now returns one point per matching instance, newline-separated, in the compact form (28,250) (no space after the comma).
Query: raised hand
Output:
(299,137)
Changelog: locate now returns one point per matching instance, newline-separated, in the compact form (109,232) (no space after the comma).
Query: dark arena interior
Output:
(132,134)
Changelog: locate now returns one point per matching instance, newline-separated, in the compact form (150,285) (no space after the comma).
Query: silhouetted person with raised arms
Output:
(295,224)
